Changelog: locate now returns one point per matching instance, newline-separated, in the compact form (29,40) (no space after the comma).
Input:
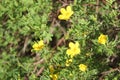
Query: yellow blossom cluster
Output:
(52,74)
(73,50)
(82,67)
(65,13)
(38,45)
(68,62)
(102,39)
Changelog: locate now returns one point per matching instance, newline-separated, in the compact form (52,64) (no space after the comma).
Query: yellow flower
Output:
(38,45)
(102,39)
(51,69)
(74,49)
(68,62)
(65,13)
(82,67)
(54,76)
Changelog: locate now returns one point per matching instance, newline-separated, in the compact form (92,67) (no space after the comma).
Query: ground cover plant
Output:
(59,39)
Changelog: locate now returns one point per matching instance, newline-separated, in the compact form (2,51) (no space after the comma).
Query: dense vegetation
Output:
(59,39)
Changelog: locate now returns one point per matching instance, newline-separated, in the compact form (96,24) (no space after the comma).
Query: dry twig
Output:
(108,72)
(40,71)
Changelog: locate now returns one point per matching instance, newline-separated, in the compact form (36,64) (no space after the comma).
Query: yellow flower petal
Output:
(54,76)
(41,42)
(69,9)
(78,51)
(38,45)
(73,50)
(35,46)
(102,39)
(77,44)
(71,44)
(69,52)
(61,17)
(51,69)
(82,67)
(68,62)
(63,11)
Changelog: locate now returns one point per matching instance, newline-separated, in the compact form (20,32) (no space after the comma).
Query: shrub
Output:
(55,39)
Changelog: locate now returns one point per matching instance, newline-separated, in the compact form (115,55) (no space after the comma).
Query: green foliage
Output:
(22,22)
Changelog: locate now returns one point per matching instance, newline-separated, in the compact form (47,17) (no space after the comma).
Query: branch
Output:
(108,72)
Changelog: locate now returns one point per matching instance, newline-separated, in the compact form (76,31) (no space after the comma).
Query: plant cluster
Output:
(59,40)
